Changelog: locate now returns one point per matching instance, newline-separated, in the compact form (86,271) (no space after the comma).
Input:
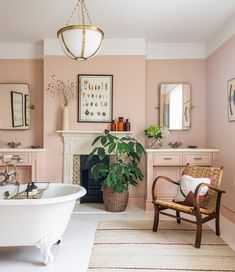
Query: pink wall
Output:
(220,67)
(128,99)
(31,72)
(168,71)
(136,93)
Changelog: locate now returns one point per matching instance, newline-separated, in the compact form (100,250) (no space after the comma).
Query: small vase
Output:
(113,126)
(127,125)
(66,118)
(120,124)
(155,143)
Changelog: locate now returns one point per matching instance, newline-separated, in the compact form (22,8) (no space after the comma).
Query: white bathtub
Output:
(37,222)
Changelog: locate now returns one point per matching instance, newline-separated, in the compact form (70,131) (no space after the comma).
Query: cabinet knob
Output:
(197,159)
(167,159)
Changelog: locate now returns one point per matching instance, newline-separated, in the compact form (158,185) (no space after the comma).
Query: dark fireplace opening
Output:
(93,186)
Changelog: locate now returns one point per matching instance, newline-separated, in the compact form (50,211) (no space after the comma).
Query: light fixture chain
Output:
(82,13)
(84,9)
(73,12)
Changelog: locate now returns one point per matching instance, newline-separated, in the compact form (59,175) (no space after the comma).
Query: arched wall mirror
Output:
(175,106)
(14,106)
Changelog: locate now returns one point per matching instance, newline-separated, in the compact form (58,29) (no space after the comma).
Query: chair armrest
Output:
(215,189)
(164,178)
(197,190)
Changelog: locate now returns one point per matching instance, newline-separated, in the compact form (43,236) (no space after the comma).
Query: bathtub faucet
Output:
(10,174)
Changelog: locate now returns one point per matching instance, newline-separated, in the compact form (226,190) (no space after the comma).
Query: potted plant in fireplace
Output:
(123,169)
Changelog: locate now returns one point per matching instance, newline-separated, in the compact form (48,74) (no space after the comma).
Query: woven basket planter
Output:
(114,201)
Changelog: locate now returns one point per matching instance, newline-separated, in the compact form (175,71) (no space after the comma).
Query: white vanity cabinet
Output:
(30,168)
(170,163)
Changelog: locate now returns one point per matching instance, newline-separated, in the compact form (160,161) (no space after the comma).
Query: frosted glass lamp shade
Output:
(80,42)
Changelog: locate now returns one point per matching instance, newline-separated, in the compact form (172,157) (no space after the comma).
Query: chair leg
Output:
(217,224)
(178,215)
(198,230)
(156,218)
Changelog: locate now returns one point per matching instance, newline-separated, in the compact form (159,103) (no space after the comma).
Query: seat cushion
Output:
(185,192)
(180,207)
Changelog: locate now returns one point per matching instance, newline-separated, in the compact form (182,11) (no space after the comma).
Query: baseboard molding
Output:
(227,228)
(137,201)
(228,212)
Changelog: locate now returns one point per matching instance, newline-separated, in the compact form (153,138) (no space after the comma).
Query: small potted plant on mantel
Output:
(123,170)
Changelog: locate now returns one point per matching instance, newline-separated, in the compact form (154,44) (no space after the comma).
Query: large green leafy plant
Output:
(125,154)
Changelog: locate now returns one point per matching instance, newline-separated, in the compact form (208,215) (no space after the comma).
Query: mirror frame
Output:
(186,107)
(15,104)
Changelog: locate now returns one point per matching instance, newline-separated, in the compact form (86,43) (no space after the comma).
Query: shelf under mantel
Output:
(92,132)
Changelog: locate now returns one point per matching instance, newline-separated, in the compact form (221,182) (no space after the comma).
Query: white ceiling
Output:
(30,21)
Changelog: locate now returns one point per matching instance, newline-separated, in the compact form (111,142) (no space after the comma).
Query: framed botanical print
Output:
(187,114)
(231,99)
(26,110)
(13,100)
(17,109)
(95,98)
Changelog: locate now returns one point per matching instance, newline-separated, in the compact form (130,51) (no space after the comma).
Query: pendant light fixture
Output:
(82,41)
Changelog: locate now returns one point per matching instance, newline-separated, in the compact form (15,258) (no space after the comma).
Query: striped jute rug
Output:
(126,246)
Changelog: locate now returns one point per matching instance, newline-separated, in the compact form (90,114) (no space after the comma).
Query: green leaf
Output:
(118,170)
(139,148)
(126,171)
(125,139)
(113,179)
(111,137)
(101,153)
(96,139)
(119,187)
(112,147)
(106,131)
(108,181)
(103,140)
(121,147)
(95,171)
(131,145)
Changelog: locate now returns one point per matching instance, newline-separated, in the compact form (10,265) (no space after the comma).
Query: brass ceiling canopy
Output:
(82,41)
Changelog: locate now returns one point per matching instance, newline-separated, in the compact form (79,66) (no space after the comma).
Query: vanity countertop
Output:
(16,150)
(193,150)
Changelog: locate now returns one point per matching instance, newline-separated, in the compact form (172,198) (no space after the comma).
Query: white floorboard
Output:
(74,252)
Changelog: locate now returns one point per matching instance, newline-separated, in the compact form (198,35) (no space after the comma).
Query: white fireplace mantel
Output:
(79,142)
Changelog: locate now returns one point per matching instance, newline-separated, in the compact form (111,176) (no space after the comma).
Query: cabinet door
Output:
(198,158)
(165,189)
(167,159)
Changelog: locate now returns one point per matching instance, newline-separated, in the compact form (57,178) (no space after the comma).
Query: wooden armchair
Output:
(202,215)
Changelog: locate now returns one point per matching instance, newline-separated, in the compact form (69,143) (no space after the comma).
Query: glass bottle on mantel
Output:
(113,126)
(120,124)
(127,125)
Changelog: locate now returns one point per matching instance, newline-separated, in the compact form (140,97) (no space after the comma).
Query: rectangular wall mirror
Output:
(14,106)
(175,106)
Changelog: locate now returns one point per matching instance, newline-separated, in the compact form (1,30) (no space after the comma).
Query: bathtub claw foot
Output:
(45,245)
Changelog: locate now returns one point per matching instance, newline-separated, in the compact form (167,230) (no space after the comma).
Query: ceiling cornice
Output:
(21,50)
(175,51)
(125,47)
(221,36)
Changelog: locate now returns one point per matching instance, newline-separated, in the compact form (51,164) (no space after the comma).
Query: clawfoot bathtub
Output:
(37,222)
